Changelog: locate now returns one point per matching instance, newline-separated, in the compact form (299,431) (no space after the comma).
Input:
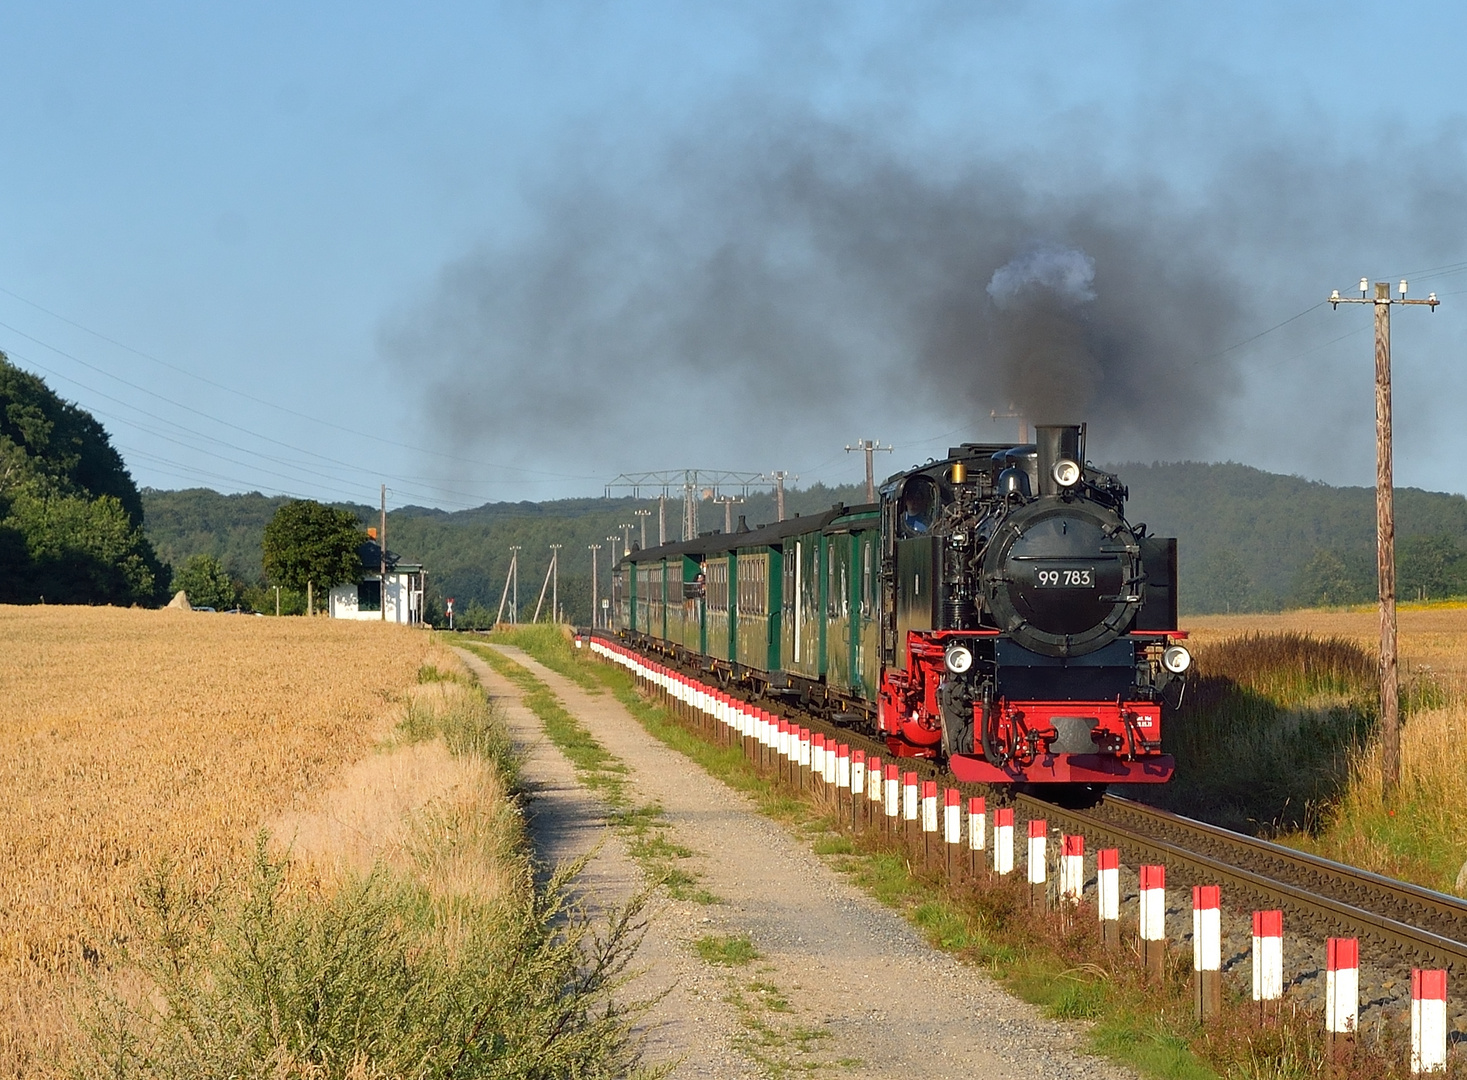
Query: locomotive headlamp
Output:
(1066,473)
(1176,659)
(958,659)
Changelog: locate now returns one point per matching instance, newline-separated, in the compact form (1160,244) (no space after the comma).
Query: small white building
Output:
(401,591)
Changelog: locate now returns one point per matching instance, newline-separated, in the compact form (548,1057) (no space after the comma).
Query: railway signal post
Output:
(1385,522)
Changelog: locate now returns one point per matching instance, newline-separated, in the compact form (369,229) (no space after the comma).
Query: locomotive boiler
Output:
(995,610)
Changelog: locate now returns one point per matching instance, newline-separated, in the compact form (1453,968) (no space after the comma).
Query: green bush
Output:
(206,583)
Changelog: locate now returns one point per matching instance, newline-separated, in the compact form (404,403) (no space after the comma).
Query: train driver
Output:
(916,508)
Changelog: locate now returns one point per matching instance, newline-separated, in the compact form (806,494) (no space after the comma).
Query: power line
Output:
(336,479)
(264,401)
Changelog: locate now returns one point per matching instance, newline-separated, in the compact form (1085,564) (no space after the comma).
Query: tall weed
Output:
(1266,734)
(376,980)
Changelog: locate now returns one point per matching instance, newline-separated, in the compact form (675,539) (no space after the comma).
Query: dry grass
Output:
(1423,836)
(133,739)
(416,809)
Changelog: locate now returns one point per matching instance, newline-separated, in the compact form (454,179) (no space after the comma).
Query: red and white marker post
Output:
(1153,920)
(1003,841)
(874,792)
(858,788)
(1207,950)
(929,821)
(803,765)
(817,765)
(911,818)
(1037,861)
(977,832)
(1072,870)
(832,788)
(1342,996)
(1268,961)
(842,781)
(1428,1020)
(952,830)
(893,807)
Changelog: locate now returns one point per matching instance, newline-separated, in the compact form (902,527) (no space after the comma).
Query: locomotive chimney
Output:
(1056,442)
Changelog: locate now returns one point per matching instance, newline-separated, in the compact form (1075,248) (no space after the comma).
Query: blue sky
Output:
(493,251)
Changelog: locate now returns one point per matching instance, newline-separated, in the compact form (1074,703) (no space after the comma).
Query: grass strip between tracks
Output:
(644,827)
(1060,967)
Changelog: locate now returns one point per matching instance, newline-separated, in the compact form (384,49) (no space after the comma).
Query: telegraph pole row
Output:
(1385,524)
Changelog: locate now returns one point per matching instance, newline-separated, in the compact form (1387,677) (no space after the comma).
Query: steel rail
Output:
(1322,912)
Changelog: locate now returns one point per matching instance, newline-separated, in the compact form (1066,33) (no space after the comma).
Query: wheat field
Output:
(132,740)
(1431,639)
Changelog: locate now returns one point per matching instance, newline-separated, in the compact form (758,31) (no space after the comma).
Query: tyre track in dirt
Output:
(869,997)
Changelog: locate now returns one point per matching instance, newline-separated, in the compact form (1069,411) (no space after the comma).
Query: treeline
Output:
(466,553)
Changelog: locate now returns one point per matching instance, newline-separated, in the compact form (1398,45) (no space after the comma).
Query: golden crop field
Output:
(130,739)
(1432,638)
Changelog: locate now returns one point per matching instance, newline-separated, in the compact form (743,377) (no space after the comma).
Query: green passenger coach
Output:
(788,607)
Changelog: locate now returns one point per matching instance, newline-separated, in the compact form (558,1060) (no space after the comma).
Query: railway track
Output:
(1416,925)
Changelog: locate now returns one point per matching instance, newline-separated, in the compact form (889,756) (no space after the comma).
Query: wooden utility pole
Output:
(555,582)
(1385,525)
(382,543)
(544,586)
(779,475)
(870,447)
(511,576)
(728,502)
(595,599)
(514,569)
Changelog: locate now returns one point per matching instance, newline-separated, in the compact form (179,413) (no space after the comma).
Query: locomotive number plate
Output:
(1070,578)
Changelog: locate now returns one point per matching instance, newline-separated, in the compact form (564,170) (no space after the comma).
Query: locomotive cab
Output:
(1028,630)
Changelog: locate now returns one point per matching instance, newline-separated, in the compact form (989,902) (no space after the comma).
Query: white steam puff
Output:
(1067,272)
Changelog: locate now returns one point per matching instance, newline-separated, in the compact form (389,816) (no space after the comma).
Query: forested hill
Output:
(1256,541)
(1249,540)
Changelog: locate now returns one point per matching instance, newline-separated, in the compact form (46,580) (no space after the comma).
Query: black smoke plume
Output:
(770,294)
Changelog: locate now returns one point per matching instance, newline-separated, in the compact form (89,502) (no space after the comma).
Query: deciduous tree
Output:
(310,547)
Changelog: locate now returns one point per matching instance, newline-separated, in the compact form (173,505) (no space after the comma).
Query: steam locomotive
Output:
(994,610)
